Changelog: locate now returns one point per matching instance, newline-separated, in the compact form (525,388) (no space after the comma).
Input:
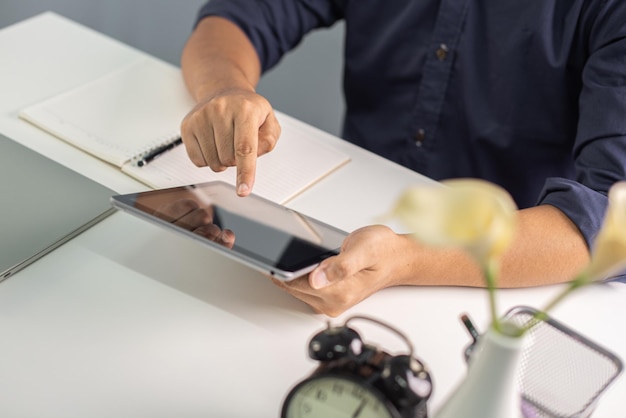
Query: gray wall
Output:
(306,84)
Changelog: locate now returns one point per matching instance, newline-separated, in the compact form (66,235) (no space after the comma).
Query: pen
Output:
(473,333)
(151,156)
(470,327)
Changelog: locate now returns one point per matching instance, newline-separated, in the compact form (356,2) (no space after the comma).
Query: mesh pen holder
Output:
(561,373)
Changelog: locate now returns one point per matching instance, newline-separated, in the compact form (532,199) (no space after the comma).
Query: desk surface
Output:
(130,320)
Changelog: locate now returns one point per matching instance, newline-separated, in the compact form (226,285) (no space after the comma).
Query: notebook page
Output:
(121,115)
(300,158)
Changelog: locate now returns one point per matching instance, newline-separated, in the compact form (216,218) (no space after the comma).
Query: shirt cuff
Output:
(584,206)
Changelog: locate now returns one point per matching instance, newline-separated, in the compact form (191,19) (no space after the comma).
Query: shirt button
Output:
(419,137)
(442,52)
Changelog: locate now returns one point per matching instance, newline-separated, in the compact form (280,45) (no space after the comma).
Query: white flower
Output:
(474,215)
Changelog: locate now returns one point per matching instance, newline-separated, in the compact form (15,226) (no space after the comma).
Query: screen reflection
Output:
(251,226)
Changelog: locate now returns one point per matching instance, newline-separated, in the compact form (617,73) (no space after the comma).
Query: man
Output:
(530,95)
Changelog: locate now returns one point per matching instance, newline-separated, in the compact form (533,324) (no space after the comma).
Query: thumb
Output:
(358,252)
(318,278)
(335,269)
(269,133)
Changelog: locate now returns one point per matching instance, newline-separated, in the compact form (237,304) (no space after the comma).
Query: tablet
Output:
(252,230)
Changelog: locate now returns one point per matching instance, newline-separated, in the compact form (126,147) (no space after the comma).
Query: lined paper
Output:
(119,116)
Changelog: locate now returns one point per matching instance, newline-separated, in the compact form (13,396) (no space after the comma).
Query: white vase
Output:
(490,388)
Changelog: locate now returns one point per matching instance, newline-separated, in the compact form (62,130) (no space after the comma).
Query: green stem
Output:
(490,276)
(571,286)
(543,313)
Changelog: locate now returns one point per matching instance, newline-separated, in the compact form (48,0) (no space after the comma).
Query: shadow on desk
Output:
(191,268)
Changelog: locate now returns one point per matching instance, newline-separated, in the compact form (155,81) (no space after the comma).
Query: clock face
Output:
(335,397)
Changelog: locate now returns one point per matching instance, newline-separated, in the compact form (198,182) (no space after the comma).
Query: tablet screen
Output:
(263,234)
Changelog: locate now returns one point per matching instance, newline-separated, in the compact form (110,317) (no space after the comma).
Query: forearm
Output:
(217,57)
(548,248)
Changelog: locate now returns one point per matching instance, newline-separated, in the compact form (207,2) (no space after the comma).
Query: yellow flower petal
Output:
(472,214)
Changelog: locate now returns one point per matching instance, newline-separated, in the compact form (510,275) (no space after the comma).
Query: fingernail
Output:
(243,189)
(319,280)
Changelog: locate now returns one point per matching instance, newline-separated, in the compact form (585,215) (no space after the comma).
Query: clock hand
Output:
(359,409)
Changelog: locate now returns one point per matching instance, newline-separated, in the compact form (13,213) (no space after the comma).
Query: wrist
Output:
(217,87)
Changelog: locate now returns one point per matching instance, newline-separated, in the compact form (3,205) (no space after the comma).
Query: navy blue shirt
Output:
(528,94)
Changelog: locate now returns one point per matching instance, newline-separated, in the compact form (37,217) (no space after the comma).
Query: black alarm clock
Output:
(359,380)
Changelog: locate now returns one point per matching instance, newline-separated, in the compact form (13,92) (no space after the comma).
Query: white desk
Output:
(128,320)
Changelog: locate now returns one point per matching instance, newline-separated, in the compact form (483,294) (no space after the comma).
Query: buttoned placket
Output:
(436,74)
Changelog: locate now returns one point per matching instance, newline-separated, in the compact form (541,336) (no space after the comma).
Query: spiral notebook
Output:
(126,115)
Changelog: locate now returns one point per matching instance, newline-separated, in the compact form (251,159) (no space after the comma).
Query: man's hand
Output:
(231,128)
(371,259)
(231,125)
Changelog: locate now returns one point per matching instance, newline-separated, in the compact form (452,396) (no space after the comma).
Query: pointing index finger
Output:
(246,142)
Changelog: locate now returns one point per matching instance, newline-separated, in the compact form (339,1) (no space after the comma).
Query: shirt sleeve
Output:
(600,146)
(275,26)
